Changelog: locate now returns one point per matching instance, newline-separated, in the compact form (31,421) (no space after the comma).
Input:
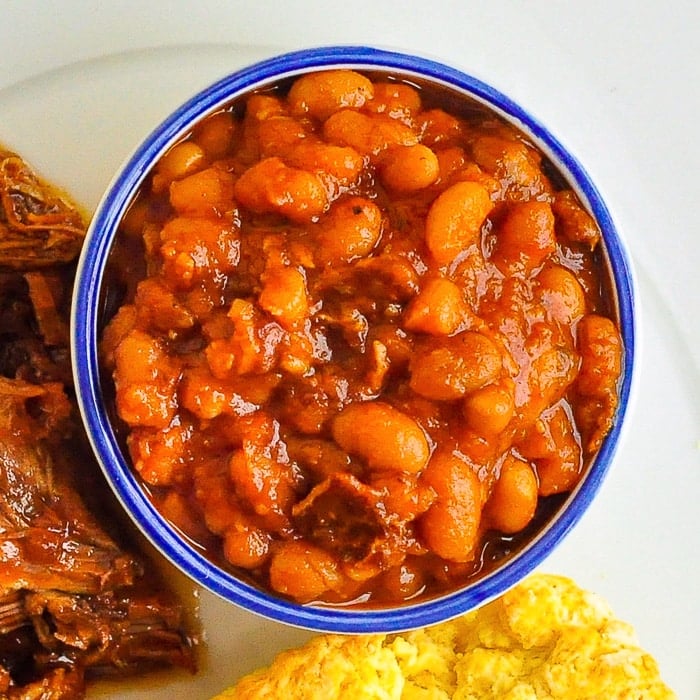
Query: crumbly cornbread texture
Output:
(546,638)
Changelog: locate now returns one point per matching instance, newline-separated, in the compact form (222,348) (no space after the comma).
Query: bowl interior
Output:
(87,311)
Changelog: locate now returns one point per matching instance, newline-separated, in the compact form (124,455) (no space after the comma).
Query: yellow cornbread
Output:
(546,638)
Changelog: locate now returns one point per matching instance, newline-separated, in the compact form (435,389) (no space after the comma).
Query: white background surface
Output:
(618,82)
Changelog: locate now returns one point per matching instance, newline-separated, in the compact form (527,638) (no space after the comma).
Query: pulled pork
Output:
(75,601)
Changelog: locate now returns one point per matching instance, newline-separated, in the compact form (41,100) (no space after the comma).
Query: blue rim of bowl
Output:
(84,339)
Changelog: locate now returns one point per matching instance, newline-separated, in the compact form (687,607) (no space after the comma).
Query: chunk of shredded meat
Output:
(39,226)
(74,600)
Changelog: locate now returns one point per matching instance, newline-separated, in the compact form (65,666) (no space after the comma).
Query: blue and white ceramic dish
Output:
(86,330)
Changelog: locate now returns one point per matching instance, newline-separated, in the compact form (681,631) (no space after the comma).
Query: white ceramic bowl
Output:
(86,331)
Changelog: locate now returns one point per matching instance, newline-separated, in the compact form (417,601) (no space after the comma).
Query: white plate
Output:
(635,546)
